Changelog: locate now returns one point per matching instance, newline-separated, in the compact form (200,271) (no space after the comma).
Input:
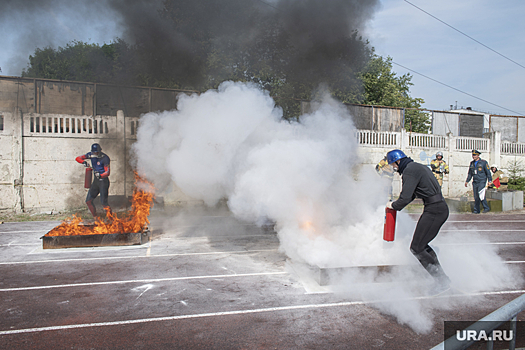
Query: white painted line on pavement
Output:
(489,221)
(474,230)
(148,252)
(140,281)
(137,256)
(483,243)
(41,250)
(19,244)
(178,238)
(241,312)
(43,231)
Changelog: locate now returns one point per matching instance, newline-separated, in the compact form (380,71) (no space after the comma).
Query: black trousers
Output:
(99,186)
(433,217)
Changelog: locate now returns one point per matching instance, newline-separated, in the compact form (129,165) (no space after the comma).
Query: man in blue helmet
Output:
(100,165)
(418,181)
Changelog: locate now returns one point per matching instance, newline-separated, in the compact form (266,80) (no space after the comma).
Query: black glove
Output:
(97,175)
(85,164)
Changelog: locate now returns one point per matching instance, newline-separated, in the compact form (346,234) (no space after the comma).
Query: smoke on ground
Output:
(307,178)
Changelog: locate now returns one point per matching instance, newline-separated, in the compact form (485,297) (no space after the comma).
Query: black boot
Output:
(430,262)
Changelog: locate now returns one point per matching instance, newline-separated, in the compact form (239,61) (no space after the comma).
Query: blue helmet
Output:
(393,155)
(96,148)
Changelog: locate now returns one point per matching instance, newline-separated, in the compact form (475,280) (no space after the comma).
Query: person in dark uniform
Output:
(100,165)
(479,172)
(418,181)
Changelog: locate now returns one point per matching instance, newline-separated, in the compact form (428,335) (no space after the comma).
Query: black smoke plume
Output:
(196,42)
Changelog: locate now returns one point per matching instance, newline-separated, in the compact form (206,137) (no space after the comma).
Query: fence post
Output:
(121,132)
(17,123)
(403,142)
(495,148)
(451,148)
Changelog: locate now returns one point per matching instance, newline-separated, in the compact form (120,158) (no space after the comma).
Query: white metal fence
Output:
(470,143)
(60,126)
(427,141)
(512,147)
(403,139)
(378,138)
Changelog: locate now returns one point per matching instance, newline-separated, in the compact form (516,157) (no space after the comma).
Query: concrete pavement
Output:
(208,281)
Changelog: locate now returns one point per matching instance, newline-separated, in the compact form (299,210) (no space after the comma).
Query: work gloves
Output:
(97,175)
(389,205)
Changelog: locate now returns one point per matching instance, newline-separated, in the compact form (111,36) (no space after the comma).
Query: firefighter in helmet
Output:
(386,171)
(439,167)
(100,184)
(418,181)
(499,179)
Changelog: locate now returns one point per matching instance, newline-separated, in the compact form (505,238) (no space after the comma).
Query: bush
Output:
(516,173)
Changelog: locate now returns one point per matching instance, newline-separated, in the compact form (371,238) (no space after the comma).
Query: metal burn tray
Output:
(96,240)
(324,275)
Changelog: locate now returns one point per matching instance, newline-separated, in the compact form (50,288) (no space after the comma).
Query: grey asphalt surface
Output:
(206,281)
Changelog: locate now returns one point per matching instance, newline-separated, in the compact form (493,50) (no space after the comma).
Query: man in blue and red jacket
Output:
(100,165)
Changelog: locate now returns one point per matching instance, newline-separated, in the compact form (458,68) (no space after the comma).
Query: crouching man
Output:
(100,184)
(418,181)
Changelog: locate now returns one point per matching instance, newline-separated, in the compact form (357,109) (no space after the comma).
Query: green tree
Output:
(79,61)
(516,173)
(382,87)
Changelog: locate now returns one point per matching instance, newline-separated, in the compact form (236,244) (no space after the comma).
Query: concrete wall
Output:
(457,123)
(512,128)
(17,94)
(507,126)
(38,171)
(10,166)
(370,117)
(444,123)
(47,96)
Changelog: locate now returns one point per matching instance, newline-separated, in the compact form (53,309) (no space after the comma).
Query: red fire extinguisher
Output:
(87,178)
(389,230)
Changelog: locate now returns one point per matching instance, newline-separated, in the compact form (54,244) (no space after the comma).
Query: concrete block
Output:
(504,196)
(494,205)
(517,200)
(511,200)
(460,205)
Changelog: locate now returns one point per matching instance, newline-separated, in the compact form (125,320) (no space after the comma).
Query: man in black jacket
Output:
(418,181)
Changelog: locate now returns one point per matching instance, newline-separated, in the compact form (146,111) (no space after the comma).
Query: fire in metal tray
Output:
(134,222)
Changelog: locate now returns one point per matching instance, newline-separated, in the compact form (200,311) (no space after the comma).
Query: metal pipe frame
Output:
(488,324)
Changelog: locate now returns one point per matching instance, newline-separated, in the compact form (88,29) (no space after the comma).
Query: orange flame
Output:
(134,221)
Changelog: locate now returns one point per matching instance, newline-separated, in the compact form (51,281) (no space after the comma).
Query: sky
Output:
(417,43)
(429,47)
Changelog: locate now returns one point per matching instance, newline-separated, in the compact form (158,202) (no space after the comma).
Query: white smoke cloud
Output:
(306,177)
